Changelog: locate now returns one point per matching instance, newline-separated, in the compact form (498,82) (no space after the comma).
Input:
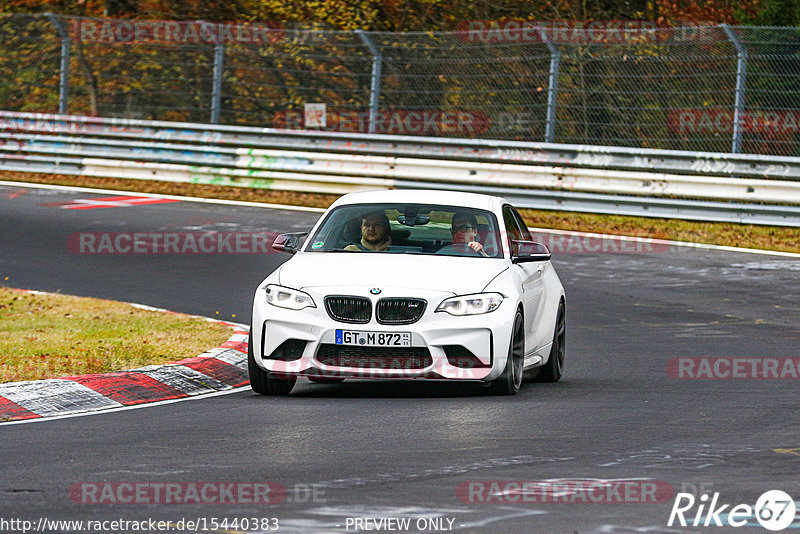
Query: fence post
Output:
(552,87)
(375,83)
(63,83)
(216,88)
(741,75)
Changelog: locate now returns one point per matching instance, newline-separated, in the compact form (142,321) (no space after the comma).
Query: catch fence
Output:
(701,88)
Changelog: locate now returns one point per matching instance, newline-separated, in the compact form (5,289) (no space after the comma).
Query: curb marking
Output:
(220,369)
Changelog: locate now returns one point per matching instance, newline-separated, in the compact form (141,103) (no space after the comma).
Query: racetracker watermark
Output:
(721,121)
(97,526)
(429,122)
(173,32)
(601,491)
(774,510)
(192,243)
(733,368)
(177,493)
(586,244)
(378,367)
(562,31)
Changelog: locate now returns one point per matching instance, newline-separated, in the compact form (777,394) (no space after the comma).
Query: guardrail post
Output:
(63,83)
(741,74)
(375,83)
(552,87)
(216,88)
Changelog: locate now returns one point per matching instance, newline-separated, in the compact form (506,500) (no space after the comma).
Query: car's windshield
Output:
(408,229)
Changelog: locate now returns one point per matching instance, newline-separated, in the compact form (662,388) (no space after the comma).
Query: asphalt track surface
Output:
(401,450)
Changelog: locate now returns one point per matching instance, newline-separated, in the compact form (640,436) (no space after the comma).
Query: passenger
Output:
(375,236)
(464,227)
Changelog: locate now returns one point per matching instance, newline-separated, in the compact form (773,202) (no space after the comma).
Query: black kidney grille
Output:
(349,309)
(399,310)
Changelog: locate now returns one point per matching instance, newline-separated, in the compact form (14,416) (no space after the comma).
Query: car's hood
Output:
(458,275)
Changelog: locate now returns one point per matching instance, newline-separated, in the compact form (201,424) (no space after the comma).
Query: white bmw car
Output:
(405,284)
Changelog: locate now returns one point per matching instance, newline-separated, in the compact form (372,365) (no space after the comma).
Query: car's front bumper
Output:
(437,347)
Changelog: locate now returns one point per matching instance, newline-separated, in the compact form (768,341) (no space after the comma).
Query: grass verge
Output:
(50,336)
(735,235)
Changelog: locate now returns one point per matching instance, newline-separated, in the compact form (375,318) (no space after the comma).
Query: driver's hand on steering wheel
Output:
(474,245)
(477,247)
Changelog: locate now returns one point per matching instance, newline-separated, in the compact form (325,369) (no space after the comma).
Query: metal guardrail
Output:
(537,175)
(631,83)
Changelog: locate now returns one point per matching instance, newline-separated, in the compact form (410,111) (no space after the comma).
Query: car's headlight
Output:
(285,297)
(471,304)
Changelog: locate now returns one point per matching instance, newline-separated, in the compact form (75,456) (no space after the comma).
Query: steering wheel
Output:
(459,248)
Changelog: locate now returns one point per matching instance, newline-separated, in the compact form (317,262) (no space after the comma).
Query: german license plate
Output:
(373,339)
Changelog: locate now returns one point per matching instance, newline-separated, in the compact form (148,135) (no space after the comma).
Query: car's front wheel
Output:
(509,381)
(554,368)
(263,382)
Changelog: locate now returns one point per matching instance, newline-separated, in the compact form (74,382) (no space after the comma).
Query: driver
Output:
(375,235)
(464,227)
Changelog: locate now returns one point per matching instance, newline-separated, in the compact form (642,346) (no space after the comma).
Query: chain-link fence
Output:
(707,88)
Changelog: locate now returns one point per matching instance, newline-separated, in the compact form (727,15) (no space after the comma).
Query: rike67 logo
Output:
(774,510)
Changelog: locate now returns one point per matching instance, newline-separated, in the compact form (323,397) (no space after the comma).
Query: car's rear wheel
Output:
(264,382)
(509,381)
(554,368)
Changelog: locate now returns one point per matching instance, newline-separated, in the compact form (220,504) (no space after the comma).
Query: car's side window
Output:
(524,232)
(513,231)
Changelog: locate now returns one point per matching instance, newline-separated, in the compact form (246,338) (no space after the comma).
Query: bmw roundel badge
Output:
(375,291)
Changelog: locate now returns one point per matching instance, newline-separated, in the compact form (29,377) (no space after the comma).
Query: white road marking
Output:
(687,244)
(154,195)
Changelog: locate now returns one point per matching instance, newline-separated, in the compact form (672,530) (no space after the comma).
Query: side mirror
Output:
(290,243)
(528,251)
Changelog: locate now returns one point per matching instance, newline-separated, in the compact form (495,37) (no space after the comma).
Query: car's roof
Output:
(421,196)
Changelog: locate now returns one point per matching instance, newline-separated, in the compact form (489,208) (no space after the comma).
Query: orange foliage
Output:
(676,13)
